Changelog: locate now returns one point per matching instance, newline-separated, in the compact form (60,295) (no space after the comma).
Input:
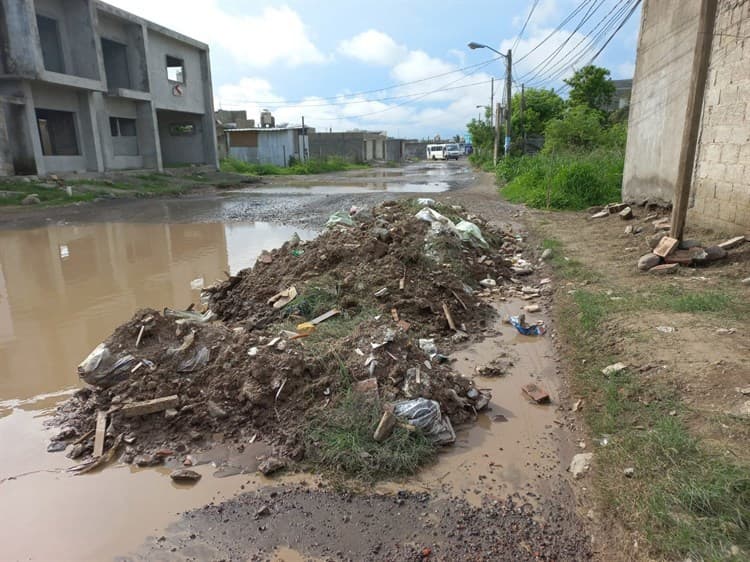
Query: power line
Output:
(364,92)
(424,95)
(554,31)
(610,23)
(520,33)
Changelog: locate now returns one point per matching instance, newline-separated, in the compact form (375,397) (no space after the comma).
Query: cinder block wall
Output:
(721,185)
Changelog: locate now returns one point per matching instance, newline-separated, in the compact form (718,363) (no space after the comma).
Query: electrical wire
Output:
(554,31)
(275,103)
(520,33)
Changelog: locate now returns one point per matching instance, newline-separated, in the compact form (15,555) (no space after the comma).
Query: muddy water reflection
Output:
(62,290)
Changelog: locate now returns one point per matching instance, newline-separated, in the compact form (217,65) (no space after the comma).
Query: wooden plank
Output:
(150,406)
(324,317)
(449,317)
(732,242)
(459,300)
(101,428)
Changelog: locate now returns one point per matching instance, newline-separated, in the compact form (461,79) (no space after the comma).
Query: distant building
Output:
(357,146)
(621,97)
(268,145)
(85,86)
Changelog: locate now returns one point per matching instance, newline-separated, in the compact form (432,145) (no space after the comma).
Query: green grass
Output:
(687,498)
(313,166)
(47,195)
(339,441)
(572,180)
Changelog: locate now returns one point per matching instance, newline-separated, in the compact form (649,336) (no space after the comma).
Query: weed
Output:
(688,499)
(340,440)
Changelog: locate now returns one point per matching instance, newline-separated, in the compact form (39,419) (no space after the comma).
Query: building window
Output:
(49,37)
(121,127)
(175,70)
(181,129)
(57,132)
(116,64)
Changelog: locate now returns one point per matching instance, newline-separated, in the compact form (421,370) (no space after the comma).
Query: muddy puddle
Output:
(348,188)
(62,289)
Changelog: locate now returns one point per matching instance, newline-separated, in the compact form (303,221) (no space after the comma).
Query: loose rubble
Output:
(385,294)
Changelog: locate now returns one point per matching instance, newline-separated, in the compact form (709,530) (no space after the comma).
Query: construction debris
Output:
(535,393)
(235,368)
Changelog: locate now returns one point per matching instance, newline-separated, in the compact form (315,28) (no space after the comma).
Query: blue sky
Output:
(316,58)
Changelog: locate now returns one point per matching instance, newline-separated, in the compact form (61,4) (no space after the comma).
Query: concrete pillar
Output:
(208,121)
(31,127)
(6,157)
(147,128)
(90,139)
(22,55)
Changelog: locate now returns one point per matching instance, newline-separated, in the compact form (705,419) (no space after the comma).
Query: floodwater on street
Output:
(63,289)
(66,285)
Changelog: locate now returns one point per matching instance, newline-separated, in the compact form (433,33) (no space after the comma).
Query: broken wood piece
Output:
(100,461)
(283,298)
(101,428)
(138,366)
(732,243)
(83,437)
(449,317)
(535,393)
(404,325)
(381,292)
(459,300)
(140,335)
(324,317)
(150,406)
(394,314)
(385,427)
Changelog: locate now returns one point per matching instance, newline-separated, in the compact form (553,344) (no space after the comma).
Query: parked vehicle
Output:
(452,151)
(436,152)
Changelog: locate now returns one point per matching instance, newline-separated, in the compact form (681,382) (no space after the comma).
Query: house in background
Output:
(270,145)
(85,86)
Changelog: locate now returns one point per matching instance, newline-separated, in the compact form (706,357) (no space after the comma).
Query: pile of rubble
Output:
(376,304)
(668,254)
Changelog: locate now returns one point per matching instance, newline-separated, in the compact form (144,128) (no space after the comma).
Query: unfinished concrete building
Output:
(85,86)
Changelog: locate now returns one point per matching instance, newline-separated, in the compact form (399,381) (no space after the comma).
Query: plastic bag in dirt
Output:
(469,232)
(341,218)
(535,330)
(426,202)
(101,369)
(437,220)
(197,361)
(425,414)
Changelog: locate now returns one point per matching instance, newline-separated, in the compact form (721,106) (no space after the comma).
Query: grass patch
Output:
(567,268)
(569,180)
(688,499)
(313,166)
(340,440)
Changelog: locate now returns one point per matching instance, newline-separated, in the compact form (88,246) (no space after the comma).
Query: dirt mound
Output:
(401,293)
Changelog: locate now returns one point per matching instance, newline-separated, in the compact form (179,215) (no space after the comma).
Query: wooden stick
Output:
(83,437)
(449,317)
(140,335)
(459,300)
(101,428)
(150,406)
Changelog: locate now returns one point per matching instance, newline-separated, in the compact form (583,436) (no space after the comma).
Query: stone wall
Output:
(720,197)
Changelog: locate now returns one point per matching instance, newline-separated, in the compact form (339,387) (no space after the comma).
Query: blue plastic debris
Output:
(518,323)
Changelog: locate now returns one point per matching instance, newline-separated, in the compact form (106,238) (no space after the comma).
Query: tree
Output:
(592,87)
(578,129)
(540,107)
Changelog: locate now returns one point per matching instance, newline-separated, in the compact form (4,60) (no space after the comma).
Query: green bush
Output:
(569,180)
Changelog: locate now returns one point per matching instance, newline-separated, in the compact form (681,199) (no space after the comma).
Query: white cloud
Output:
(373,47)
(276,35)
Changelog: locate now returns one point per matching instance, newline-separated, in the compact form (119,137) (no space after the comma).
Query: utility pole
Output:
(523,124)
(492,100)
(497,134)
(508,105)
(698,73)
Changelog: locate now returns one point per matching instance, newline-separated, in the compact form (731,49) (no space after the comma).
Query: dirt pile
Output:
(260,362)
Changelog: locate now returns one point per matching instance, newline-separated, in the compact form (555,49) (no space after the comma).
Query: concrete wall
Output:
(16,27)
(415,149)
(132,36)
(355,146)
(49,97)
(180,149)
(6,156)
(720,197)
(192,99)
(669,31)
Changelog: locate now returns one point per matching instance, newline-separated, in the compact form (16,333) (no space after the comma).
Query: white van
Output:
(435,152)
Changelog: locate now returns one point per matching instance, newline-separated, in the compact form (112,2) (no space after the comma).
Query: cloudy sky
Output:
(391,65)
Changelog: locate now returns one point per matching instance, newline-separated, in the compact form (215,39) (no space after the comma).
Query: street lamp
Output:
(509,61)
